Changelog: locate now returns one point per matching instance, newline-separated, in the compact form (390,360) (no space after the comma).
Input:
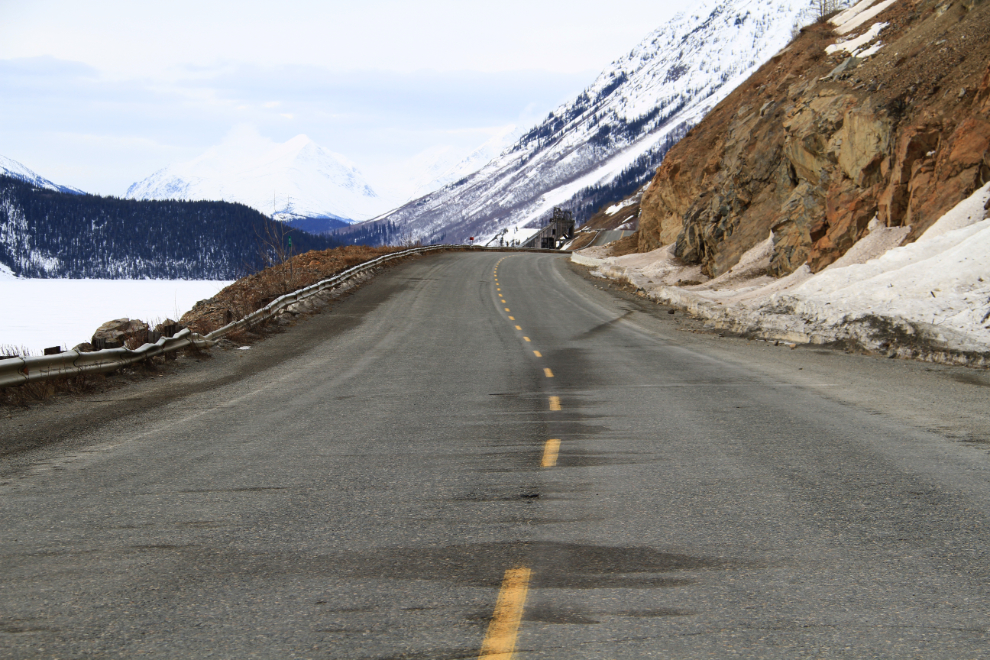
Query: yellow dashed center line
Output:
(555,403)
(511,318)
(518,328)
(500,640)
(506,309)
(537,354)
(547,372)
(550,452)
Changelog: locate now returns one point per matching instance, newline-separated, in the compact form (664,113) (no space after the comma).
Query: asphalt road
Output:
(428,471)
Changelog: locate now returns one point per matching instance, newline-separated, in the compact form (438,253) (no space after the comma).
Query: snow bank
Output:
(43,313)
(928,299)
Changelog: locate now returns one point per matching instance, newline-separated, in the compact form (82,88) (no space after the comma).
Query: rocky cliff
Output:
(883,111)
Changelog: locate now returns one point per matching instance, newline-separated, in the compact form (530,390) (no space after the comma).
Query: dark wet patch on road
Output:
(600,329)
(496,493)
(432,654)
(548,614)
(206,524)
(555,565)
(982,380)
(580,458)
(656,613)
(245,489)
(527,520)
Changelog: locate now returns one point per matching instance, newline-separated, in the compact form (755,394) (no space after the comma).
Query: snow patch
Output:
(858,14)
(615,208)
(853,45)
(936,289)
(12,168)
(66,312)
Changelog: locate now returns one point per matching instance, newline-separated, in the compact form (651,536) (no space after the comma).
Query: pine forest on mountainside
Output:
(51,234)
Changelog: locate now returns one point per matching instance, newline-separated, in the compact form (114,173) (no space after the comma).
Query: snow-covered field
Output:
(42,313)
(929,298)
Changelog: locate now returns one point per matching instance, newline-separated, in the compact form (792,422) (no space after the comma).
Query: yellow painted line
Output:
(500,640)
(511,318)
(518,328)
(555,403)
(506,309)
(537,354)
(547,372)
(550,452)
(497,288)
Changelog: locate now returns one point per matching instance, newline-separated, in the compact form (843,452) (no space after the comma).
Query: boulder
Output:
(119,333)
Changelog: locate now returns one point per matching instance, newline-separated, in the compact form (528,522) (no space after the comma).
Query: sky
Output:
(98,95)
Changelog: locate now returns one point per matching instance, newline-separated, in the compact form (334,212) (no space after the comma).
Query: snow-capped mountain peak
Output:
(12,168)
(607,142)
(292,179)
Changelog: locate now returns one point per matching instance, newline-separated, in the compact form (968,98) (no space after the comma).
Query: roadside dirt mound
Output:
(255,291)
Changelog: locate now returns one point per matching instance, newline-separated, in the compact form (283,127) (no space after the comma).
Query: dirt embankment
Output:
(251,293)
(815,145)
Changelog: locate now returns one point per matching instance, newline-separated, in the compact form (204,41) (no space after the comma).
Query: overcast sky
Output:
(98,95)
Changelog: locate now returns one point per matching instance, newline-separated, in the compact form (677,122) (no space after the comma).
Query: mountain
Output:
(840,195)
(879,117)
(11,168)
(443,170)
(294,179)
(49,234)
(608,141)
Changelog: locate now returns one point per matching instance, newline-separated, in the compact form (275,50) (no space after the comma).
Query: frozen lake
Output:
(41,313)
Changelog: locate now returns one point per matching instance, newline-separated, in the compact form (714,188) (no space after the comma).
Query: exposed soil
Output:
(251,293)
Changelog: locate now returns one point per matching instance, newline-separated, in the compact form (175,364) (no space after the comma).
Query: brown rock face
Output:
(120,333)
(903,137)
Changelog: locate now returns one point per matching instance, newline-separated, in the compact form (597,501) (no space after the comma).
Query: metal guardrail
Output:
(21,370)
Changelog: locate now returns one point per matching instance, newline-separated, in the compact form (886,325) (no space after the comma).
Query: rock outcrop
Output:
(813,147)
(120,333)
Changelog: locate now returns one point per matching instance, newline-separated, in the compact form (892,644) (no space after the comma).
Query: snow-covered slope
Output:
(928,299)
(624,121)
(449,172)
(294,179)
(10,167)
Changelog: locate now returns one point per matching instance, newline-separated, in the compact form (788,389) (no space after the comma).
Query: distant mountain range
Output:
(46,233)
(290,180)
(608,141)
(11,168)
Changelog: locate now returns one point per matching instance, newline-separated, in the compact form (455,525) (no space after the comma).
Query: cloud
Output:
(129,128)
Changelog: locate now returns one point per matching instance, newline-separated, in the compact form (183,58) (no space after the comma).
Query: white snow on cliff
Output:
(636,107)
(935,290)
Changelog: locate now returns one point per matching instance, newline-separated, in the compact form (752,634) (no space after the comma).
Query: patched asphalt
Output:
(358,485)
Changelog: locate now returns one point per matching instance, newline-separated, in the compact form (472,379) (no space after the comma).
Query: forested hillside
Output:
(52,234)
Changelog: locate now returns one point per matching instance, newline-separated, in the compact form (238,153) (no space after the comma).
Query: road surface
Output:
(477,453)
